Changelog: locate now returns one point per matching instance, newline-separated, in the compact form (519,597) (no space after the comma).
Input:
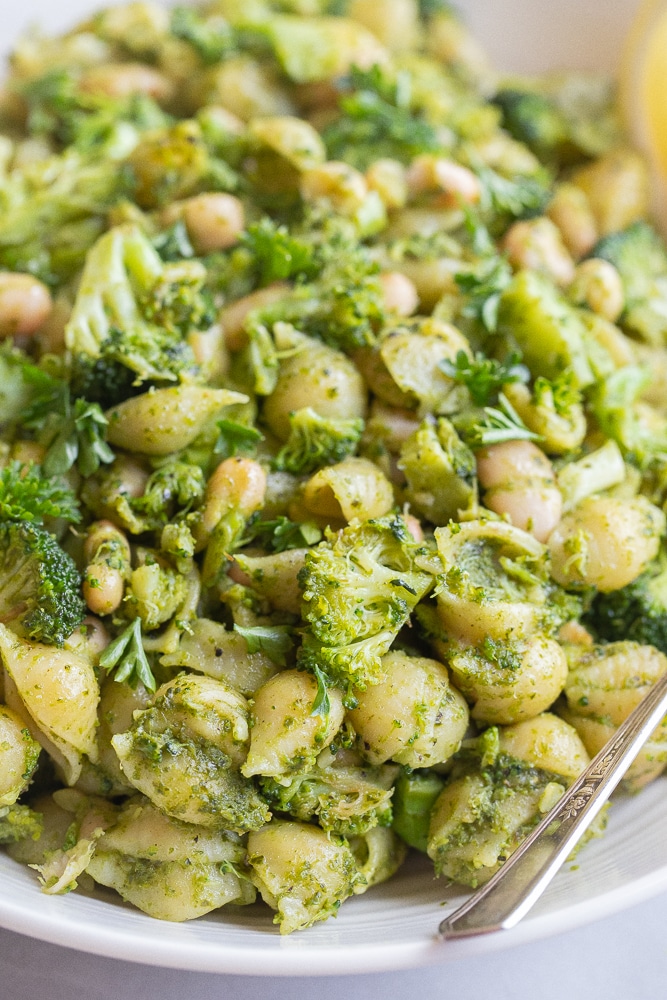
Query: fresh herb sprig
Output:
(501,423)
(274,640)
(484,377)
(127,658)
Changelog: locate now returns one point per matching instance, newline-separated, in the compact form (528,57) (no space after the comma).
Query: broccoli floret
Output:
(534,119)
(547,330)
(136,311)
(27,495)
(639,255)
(343,798)
(276,254)
(58,108)
(359,588)
(315,441)
(40,586)
(614,404)
(637,612)
(54,211)
(174,488)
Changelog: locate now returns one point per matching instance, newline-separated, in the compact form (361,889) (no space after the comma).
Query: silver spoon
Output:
(517,885)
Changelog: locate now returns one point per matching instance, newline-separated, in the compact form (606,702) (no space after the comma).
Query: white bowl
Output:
(395,925)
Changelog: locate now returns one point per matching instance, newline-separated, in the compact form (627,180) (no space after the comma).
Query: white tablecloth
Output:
(623,957)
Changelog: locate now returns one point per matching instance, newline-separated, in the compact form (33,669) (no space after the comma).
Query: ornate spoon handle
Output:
(522,879)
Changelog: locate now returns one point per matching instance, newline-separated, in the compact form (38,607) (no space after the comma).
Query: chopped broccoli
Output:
(614,406)
(637,612)
(315,441)
(19,823)
(638,253)
(27,495)
(57,107)
(137,311)
(40,586)
(414,797)
(174,488)
(359,587)
(344,797)
(54,211)
(547,330)
(534,119)
(211,37)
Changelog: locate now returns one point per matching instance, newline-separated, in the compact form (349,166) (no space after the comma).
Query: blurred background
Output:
(522,35)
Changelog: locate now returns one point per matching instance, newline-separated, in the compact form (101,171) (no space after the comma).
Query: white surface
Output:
(619,958)
(393,926)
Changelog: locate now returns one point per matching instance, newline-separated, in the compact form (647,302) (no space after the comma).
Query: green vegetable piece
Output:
(440,471)
(359,587)
(236,439)
(27,495)
(534,119)
(40,585)
(533,315)
(414,797)
(500,423)
(315,441)
(274,640)
(126,657)
(18,822)
(639,255)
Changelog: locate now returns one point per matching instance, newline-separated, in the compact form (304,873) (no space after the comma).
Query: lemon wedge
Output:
(643,93)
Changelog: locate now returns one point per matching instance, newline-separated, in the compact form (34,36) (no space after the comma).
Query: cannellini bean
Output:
(214,221)
(519,481)
(340,184)
(25,304)
(236,484)
(606,542)
(457,183)
(399,293)
(617,188)
(107,552)
(387,177)
(394,22)
(233,317)
(538,245)
(123,79)
(570,210)
(598,285)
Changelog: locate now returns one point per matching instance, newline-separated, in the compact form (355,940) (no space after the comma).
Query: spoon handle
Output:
(517,885)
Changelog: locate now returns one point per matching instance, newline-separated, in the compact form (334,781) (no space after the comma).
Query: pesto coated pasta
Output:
(333,452)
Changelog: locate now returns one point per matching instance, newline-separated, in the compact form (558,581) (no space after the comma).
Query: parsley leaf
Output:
(377,121)
(282,534)
(274,640)
(501,423)
(79,440)
(236,439)
(27,495)
(484,288)
(485,376)
(518,197)
(321,704)
(126,656)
